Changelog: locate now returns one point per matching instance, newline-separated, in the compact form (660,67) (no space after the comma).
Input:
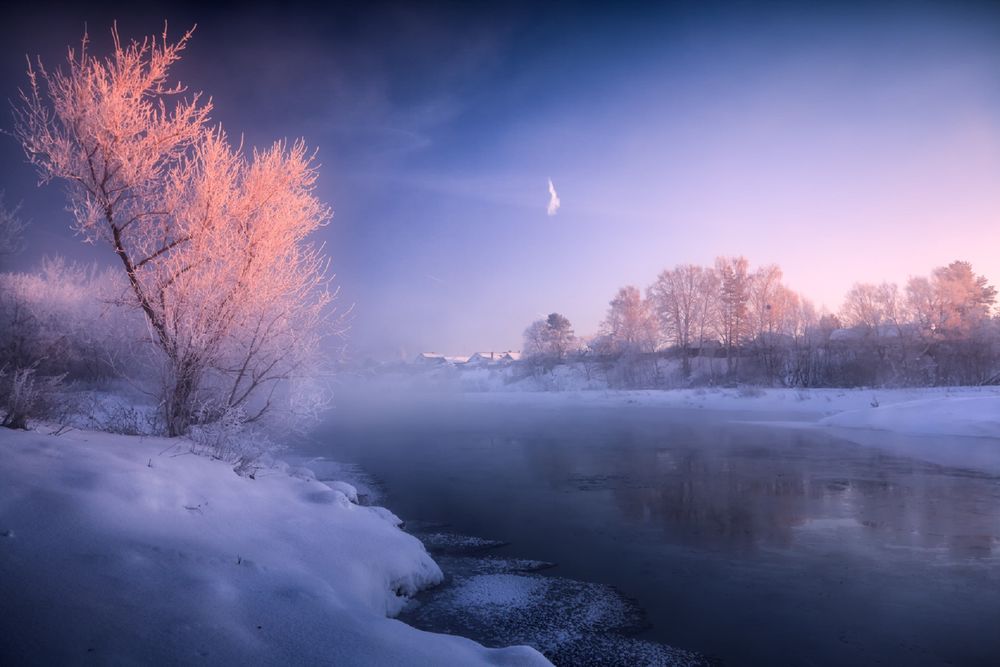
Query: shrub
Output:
(749,391)
(24,396)
(231,438)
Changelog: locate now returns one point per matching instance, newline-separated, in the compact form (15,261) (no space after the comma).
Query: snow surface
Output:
(572,384)
(573,622)
(500,594)
(955,411)
(497,600)
(953,414)
(117,549)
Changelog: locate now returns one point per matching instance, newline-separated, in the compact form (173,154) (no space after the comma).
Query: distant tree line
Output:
(728,323)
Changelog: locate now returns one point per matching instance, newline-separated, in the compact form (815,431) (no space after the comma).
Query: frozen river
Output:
(750,543)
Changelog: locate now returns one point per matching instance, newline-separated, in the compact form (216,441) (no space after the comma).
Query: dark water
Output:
(751,543)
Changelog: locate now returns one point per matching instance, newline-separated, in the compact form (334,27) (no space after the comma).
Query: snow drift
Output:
(977,416)
(118,549)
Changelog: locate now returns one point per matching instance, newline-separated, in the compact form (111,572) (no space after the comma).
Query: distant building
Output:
(436,359)
(493,358)
(475,359)
(430,359)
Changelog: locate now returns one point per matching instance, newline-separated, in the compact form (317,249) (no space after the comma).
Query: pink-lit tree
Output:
(685,299)
(630,326)
(734,296)
(213,241)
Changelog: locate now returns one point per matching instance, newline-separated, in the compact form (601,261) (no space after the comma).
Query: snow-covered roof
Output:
(430,357)
(475,357)
(493,356)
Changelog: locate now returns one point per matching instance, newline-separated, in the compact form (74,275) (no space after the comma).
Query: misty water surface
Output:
(753,543)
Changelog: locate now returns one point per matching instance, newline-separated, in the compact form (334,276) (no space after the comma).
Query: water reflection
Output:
(728,490)
(757,544)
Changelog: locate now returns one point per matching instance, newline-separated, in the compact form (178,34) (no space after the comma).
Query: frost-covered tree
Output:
(734,296)
(955,301)
(880,314)
(630,326)
(950,312)
(550,338)
(560,335)
(765,303)
(534,339)
(59,319)
(12,228)
(685,300)
(212,241)
(863,308)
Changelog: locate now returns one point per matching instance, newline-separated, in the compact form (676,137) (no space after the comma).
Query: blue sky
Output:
(842,141)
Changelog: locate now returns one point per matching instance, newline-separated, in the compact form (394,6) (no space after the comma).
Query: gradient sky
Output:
(844,142)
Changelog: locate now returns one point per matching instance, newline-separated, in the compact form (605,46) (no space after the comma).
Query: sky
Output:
(843,141)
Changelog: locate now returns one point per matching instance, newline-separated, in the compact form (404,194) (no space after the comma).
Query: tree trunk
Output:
(179,408)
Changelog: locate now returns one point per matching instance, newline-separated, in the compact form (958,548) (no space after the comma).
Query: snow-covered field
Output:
(127,550)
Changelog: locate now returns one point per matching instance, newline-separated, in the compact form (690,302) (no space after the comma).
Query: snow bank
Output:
(118,549)
(959,415)
(953,426)
(959,411)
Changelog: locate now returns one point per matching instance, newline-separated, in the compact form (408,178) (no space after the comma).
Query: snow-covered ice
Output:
(450,543)
(572,622)
(496,600)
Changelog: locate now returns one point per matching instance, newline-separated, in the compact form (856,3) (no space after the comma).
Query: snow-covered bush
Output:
(25,395)
(63,319)
(230,437)
(129,420)
(749,391)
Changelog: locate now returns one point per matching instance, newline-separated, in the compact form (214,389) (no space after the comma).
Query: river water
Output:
(751,543)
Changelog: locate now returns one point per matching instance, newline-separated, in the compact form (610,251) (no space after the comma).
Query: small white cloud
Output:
(554,202)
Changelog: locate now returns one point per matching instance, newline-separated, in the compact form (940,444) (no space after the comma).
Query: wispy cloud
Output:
(554,202)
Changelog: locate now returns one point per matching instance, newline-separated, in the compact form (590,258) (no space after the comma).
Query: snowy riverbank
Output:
(126,549)
(953,426)
(957,411)
(117,549)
